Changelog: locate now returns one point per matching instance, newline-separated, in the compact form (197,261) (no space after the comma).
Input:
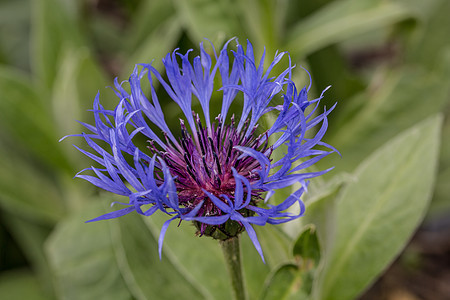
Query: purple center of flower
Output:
(205,160)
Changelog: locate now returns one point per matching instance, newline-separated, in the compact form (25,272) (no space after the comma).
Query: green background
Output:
(389,66)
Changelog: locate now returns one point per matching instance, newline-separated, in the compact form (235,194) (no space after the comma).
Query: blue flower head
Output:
(217,171)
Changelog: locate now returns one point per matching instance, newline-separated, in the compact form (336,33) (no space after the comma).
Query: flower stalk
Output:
(232,255)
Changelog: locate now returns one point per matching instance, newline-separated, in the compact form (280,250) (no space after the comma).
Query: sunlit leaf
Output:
(341,20)
(376,215)
(83,260)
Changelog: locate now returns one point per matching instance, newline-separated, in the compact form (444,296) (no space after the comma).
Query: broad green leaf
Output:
(202,258)
(430,41)
(275,244)
(199,257)
(376,215)
(276,249)
(66,104)
(322,215)
(341,20)
(286,283)
(54,27)
(375,116)
(318,191)
(78,80)
(26,122)
(26,191)
(394,100)
(431,48)
(19,285)
(28,143)
(291,281)
(83,260)
(146,275)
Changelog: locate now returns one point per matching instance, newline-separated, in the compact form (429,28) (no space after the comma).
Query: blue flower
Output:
(218,173)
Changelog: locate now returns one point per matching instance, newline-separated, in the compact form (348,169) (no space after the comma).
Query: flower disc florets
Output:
(215,173)
(208,163)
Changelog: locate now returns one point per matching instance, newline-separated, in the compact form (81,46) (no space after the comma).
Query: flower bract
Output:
(218,171)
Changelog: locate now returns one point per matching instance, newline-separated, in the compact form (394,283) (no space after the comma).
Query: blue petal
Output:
(114,214)
(219,203)
(252,235)
(163,233)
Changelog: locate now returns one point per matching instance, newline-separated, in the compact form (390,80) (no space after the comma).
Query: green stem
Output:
(232,256)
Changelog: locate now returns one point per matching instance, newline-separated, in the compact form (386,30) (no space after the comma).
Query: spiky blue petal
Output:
(213,174)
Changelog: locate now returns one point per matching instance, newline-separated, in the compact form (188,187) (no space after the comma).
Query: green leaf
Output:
(430,40)
(263,23)
(160,41)
(285,283)
(306,251)
(83,260)
(28,141)
(341,20)
(307,246)
(199,257)
(275,245)
(148,17)
(26,122)
(19,285)
(208,19)
(26,191)
(54,28)
(146,275)
(325,65)
(318,190)
(373,117)
(322,215)
(14,18)
(78,80)
(376,215)
(316,200)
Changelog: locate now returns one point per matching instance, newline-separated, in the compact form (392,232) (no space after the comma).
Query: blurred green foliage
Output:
(388,62)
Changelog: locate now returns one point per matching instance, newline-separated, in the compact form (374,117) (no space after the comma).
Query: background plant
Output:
(388,62)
